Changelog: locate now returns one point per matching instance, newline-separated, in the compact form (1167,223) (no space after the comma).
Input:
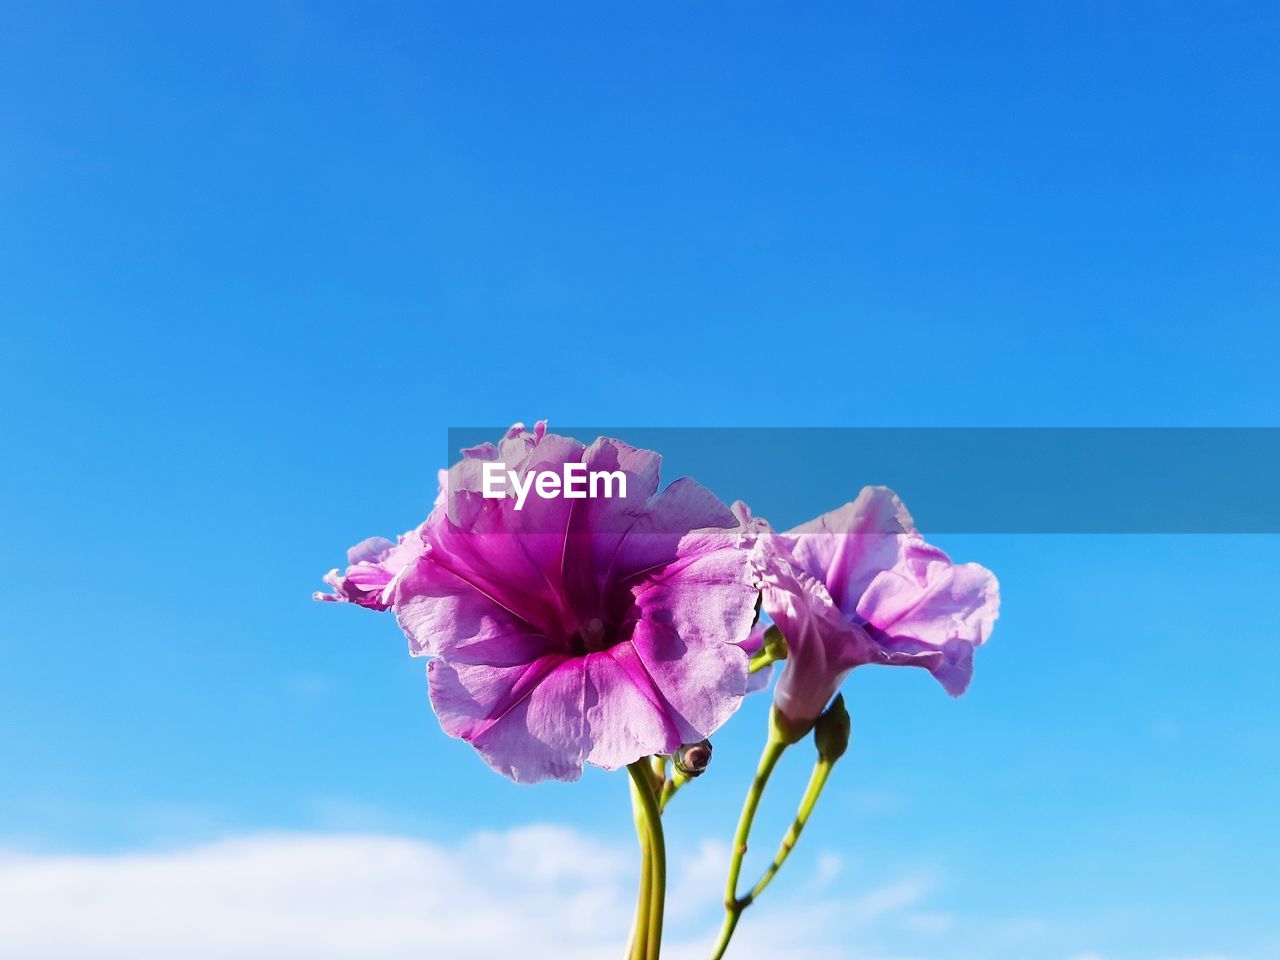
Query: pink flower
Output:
(578,630)
(859,585)
(372,568)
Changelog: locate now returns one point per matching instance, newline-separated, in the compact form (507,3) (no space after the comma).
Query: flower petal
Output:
(700,682)
(848,547)
(822,646)
(375,564)
(926,611)
(627,718)
(527,722)
(444,615)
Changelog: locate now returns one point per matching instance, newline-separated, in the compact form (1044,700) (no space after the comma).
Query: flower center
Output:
(596,635)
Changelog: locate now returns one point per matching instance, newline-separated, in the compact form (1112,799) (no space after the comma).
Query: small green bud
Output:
(831,732)
(693,758)
(773,649)
(775,645)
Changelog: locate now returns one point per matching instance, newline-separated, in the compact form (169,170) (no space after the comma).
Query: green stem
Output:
(638,948)
(817,780)
(669,789)
(726,932)
(733,907)
(649,819)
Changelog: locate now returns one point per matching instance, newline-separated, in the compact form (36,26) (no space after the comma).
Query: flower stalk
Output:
(733,906)
(831,737)
(638,944)
(646,942)
(670,788)
(817,780)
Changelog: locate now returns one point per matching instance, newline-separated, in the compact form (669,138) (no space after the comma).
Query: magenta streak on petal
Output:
(648,687)
(522,689)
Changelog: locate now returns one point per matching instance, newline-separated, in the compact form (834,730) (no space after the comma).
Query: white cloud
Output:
(537,892)
(280,897)
(534,892)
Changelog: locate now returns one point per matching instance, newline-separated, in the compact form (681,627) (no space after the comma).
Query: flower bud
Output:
(831,732)
(693,758)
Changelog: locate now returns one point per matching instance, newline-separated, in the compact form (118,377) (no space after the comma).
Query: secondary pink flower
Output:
(578,631)
(372,567)
(860,585)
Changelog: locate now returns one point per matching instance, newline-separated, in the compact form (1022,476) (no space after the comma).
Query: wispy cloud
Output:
(537,892)
(541,892)
(377,897)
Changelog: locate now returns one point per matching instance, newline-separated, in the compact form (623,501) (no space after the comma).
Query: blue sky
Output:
(255,260)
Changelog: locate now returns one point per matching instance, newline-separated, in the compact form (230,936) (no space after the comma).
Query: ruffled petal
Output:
(374,564)
(928,612)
